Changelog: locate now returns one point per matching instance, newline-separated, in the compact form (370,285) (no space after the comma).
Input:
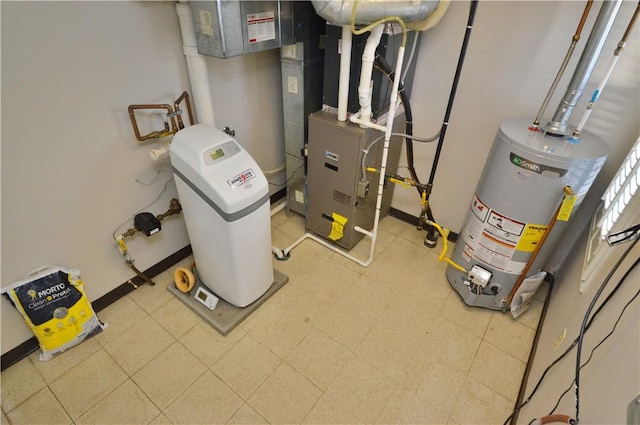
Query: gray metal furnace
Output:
(335,191)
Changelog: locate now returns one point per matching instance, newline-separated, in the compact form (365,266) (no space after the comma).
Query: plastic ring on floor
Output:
(184,279)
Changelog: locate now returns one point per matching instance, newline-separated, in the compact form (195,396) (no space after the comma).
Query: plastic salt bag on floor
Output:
(54,305)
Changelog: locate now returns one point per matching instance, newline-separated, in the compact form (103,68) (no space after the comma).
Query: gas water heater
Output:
(519,192)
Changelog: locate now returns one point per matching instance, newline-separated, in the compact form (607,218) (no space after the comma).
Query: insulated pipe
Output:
(196,67)
(338,12)
(365,87)
(595,43)
(345,66)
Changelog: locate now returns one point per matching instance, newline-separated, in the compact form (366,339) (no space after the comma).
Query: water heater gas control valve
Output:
(479,276)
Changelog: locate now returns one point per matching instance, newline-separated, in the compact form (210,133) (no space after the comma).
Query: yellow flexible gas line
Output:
(376,23)
(445,233)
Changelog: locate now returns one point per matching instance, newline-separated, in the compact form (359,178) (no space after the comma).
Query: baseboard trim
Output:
(31,345)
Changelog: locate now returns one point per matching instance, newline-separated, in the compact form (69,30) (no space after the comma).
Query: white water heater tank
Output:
(225,203)
(520,189)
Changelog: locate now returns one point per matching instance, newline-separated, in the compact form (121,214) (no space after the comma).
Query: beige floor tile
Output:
(127,404)
(282,334)
(393,225)
(439,386)
(450,344)
(327,412)
(176,317)
(319,358)
(472,319)
(150,298)
(246,366)
(362,250)
(285,397)
(478,404)
(207,401)
(392,273)
(497,370)
(42,408)
(416,236)
(207,344)
(367,297)
(59,365)
(405,407)
(346,325)
(165,377)
(406,252)
(5,421)
(361,390)
(510,336)
(280,217)
(97,376)
(138,345)
(246,415)
(334,277)
(161,419)
(294,226)
(389,352)
(121,316)
(19,382)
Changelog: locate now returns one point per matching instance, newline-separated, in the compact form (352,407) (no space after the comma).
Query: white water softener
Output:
(225,202)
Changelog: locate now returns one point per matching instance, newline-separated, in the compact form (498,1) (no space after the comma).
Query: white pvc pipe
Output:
(345,66)
(365,86)
(373,234)
(196,67)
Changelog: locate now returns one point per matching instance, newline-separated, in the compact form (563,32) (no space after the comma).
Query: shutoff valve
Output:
(479,276)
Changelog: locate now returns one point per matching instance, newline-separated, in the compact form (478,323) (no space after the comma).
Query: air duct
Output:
(338,12)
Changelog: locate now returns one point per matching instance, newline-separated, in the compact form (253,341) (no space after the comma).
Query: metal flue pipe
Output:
(593,48)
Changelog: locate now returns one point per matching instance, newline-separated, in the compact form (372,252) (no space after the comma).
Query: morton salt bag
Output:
(54,305)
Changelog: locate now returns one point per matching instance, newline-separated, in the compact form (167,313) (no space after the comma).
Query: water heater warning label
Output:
(494,238)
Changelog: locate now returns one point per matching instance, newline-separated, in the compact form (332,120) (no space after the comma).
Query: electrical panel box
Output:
(231,28)
(335,173)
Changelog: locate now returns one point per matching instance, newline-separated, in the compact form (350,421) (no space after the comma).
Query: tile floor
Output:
(338,344)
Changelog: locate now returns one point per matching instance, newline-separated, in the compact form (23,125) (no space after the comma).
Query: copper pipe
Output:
(153,134)
(567,192)
(176,107)
(563,66)
(174,208)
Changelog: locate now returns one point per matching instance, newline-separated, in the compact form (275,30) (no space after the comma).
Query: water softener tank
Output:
(520,189)
(225,203)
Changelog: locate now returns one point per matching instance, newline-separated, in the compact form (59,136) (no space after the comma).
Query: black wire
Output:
(586,319)
(452,95)
(574,343)
(595,348)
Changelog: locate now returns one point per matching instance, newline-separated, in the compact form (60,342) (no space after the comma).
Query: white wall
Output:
(70,158)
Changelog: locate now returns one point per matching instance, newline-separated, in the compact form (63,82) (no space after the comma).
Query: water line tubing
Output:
(373,234)
(431,237)
(563,66)
(598,91)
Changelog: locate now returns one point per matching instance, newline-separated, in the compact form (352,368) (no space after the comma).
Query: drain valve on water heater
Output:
(479,276)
